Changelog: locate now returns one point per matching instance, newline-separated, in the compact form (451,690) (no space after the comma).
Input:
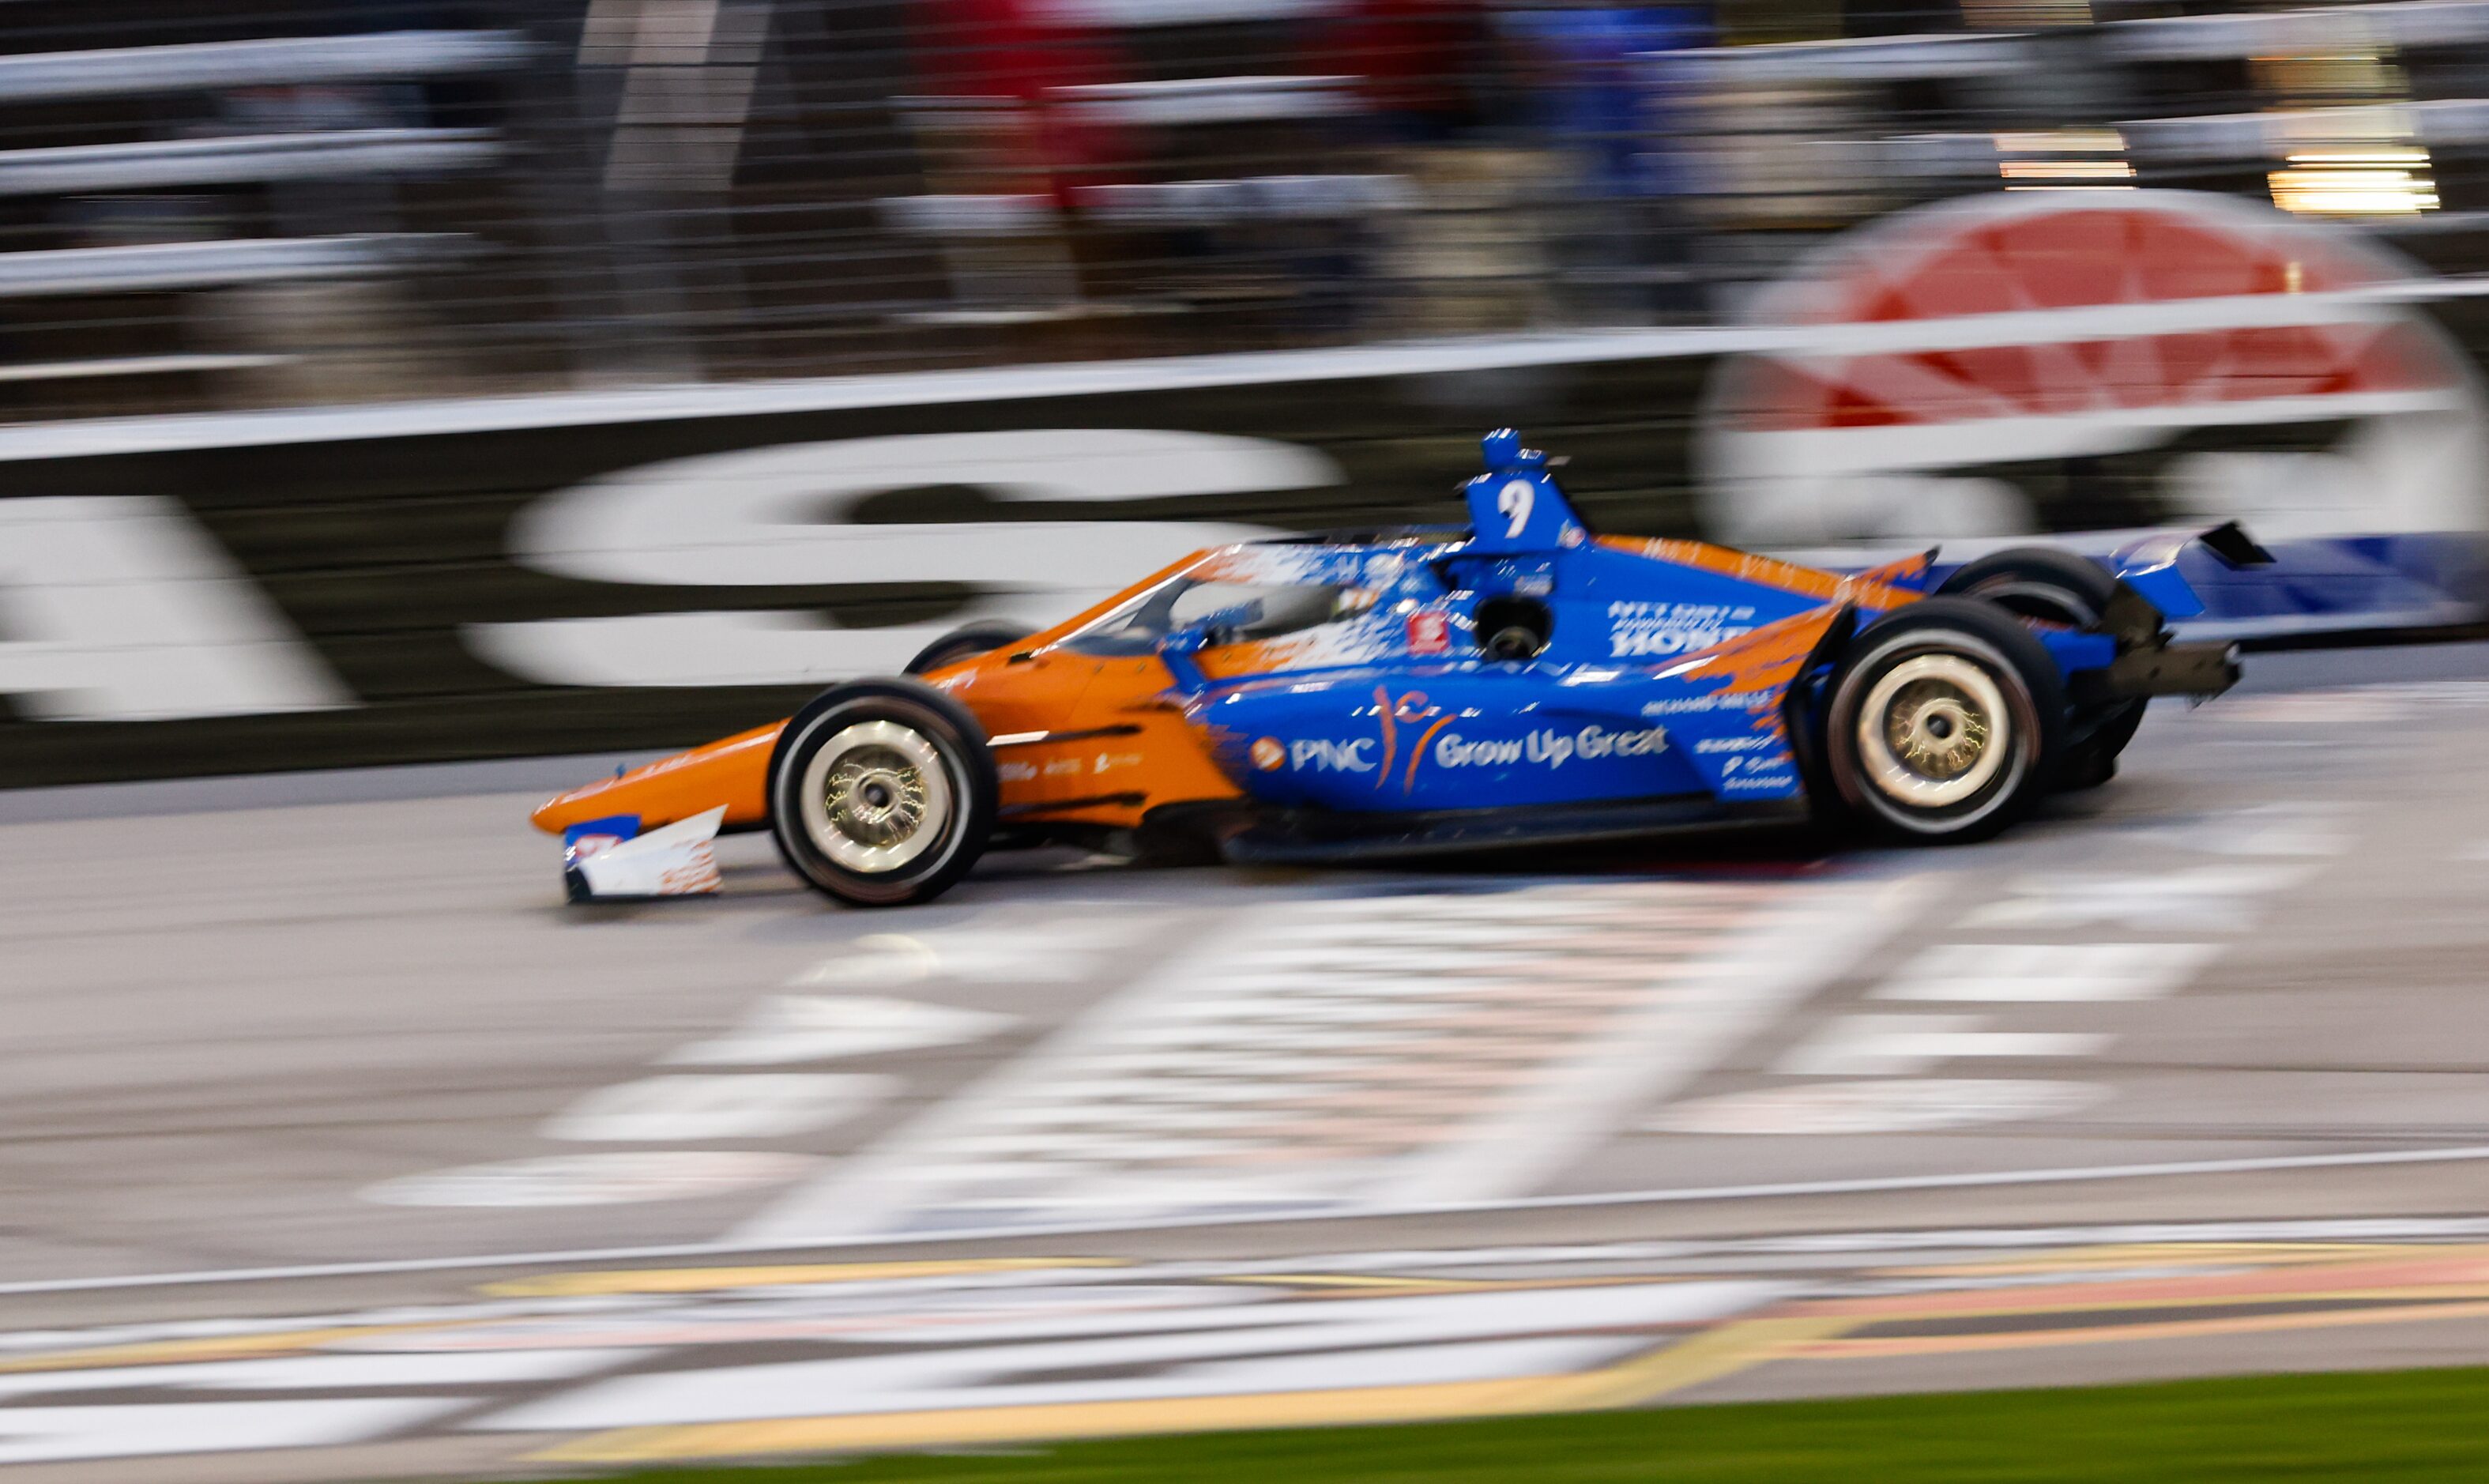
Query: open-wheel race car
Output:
(1514,681)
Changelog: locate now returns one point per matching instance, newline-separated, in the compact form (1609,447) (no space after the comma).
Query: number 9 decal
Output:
(1514,500)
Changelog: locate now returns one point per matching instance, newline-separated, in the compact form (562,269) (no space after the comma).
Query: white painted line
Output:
(1195,1341)
(1452,1076)
(791,1028)
(1014,948)
(1904,1046)
(1702,1015)
(2047,972)
(1879,1106)
(2194,899)
(2459,1154)
(611,1179)
(44,1435)
(692,1107)
(349,1371)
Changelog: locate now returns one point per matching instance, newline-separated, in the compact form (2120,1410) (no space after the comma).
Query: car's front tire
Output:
(1943,722)
(882,792)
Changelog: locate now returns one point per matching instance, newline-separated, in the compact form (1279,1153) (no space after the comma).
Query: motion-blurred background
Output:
(564,382)
(248,203)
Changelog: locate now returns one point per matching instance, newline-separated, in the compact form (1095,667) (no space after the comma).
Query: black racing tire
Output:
(1935,671)
(2041,582)
(842,777)
(2037,582)
(964,643)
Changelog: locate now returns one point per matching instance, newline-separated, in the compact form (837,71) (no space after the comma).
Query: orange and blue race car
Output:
(1516,681)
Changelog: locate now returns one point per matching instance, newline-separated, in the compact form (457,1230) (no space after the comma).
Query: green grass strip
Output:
(2431,1425)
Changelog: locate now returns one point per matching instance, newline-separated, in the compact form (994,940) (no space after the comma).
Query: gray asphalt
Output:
(343,1028)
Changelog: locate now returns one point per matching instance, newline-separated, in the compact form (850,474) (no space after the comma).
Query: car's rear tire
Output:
(2037,582)
(2041,582)
(1943,722)
(965,643)
(882,792)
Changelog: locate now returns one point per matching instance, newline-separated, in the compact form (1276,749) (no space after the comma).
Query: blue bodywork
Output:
(1671,672)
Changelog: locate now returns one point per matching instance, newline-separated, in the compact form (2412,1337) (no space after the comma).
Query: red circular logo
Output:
(1270,754)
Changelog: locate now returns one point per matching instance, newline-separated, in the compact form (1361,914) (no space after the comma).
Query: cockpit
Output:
(1233,612)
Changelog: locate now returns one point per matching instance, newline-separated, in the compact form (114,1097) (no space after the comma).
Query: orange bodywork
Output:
(1869,588)
(733,772)
(1112,748)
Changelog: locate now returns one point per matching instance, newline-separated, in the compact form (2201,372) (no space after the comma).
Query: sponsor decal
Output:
(592,837)
(1430,633)
(611,858)
(1753,744)
(1758,783)
(1411,709)
(1270,754)
(1108,760)
(1715,701)
(1548,747)
(1454,750)
(1639,629)
(1599,742)
(697,876)
(1015,772)
(1321,754)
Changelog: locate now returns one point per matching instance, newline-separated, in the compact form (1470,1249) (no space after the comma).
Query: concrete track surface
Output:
(333,1144)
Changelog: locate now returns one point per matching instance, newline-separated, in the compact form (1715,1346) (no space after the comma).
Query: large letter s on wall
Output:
(776,517)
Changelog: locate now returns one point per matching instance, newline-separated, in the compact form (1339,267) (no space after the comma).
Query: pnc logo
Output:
(1269,755)
(1324,756)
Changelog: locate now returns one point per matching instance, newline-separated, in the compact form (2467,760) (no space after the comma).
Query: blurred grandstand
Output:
(248,203)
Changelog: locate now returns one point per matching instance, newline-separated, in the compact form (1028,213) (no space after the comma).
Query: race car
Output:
(1516,681)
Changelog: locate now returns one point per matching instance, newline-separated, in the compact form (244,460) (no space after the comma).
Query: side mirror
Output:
(1176,651)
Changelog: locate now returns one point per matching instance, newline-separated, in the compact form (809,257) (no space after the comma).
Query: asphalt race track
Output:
(333,1144)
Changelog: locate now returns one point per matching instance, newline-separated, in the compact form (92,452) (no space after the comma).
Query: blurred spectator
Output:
(1416,64)
(1015,56)
(1593,97)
